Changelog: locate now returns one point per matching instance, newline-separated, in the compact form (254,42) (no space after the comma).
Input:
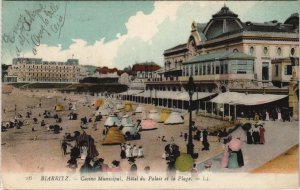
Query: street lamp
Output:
(190,146)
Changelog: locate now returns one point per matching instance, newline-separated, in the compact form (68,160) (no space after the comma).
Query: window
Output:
(279,51)
(288,70)
(217,69)
(265,71)
(276,70)
(200,69)
(196,70)
(235,50)
(266,50)
(208,68)
(204,69)
(292,51)
(192,70)
(251,50)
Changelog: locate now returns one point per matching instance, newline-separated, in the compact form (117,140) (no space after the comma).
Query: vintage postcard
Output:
(149,94)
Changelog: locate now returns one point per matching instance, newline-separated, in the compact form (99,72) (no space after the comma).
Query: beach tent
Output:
(164,115)
(111,121)
(148,124)
(99,103)
(126,121)
(174,118)
(59,107)
(102,112)
(128,107)
(140,109)
(113,136)
(154,115)
(109,104)
(119,106)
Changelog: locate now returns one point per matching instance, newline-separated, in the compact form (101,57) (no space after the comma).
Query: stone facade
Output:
(225,32)
(34,70)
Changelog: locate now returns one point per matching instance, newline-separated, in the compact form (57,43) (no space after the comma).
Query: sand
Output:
(20,153)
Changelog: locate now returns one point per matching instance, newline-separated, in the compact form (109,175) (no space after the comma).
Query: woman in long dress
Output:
(134,151)
(267,116)
(249,136)
(279,118)
(83,153)
(128,152)
(233,160)
(224,161)
(141,152)
(262,135)
(255,135)
(123,152)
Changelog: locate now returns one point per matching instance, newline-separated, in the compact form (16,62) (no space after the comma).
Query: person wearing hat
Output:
(140,152)
(133,167)
(134,151)
(123,151)
(128,151)
(115,166)
(97,166)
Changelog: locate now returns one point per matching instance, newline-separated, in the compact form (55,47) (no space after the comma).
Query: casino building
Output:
(226,53)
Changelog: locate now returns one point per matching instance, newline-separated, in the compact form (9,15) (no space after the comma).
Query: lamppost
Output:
(190,145)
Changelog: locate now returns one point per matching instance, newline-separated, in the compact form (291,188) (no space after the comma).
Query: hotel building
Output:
(33,70)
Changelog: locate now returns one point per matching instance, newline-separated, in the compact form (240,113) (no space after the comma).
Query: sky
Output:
(115,33)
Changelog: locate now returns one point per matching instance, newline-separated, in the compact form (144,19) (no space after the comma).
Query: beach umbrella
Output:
(247,126)
(235,144)
(184,162)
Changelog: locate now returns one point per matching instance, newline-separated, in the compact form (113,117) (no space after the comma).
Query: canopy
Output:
(164,115)
(126,121)
(176,95)
(128,107)
(111,121)
(148,124)
(154,115)
(140,109)
(174,118)
(59,107)
(102,112)
(114,136)
(108,104)
(246,99)
(131,92)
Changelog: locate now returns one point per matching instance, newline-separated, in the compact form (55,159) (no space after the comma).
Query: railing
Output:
(164,79)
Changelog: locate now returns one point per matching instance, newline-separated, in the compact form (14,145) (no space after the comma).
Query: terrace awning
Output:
(246,99)
(131,92)
(174,95)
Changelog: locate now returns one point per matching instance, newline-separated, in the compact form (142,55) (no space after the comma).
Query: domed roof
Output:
(222,22)
(293,20)
(224,12)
